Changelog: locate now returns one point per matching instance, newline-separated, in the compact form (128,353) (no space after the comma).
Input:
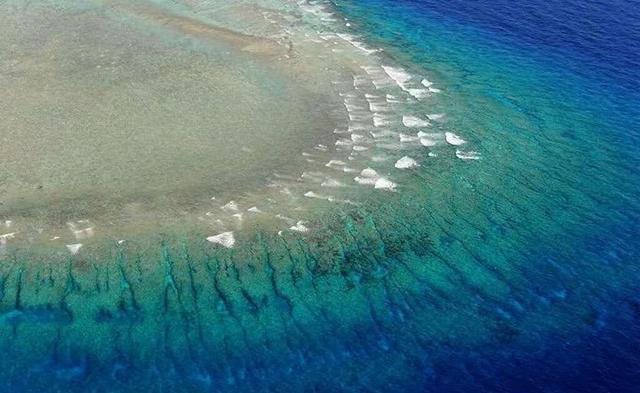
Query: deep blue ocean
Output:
(551,61)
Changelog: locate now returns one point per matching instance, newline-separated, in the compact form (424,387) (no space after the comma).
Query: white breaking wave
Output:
(454,139)
(402,78)
(369,177)
(225,239)
(300,227)
(414,122)
(406,163)
(467,155)
(385,184)
(380,120)
(232,206)
(404,138)
(74,248)
(358,44)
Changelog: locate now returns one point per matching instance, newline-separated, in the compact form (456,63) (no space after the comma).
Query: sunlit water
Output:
(306,196)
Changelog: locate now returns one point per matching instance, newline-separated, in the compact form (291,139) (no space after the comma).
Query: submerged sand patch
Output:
(119,109)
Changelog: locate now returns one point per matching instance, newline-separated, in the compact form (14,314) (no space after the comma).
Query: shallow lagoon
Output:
(348,272)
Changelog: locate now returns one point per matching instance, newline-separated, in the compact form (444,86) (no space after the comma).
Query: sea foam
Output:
(225,239)
(414,122)
(454,139)
(406,163)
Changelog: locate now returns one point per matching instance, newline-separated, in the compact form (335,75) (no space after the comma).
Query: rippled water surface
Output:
(359,195)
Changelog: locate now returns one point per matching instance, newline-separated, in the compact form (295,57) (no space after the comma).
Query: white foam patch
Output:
(313,176)
(404,138)
(366,181)
(454,139)
(344,142)
(406,163)
(357,138)
(391,99)
(314,195)
(8,235)
(435,116)
(414,122)
(380,120)
(225,239)
(430,139)
(351,108)
(232,206)
(382,134)
(379,77)
(254,209)
(378,107)
(8,223)
(434,135)
(419,93)
(385,184)
(428,142)
(369,172)
(83,233)
(360,148)
(331,183)
(5,238)
(369,177)
(402,79)
(434,90)
(334,163)
(390,146)
(300,227)
(359,45)
(354,127)
(426,83)
(379,158)
(467,155)
(74,248)
(399,75)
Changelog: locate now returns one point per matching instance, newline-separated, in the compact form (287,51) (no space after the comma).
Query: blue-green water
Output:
(517,272)
(551,91)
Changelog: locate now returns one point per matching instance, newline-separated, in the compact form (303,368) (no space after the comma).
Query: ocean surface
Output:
(320,196)
(561,75)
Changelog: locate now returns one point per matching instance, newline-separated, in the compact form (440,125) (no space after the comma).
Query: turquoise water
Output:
(551,91)
(516,272)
